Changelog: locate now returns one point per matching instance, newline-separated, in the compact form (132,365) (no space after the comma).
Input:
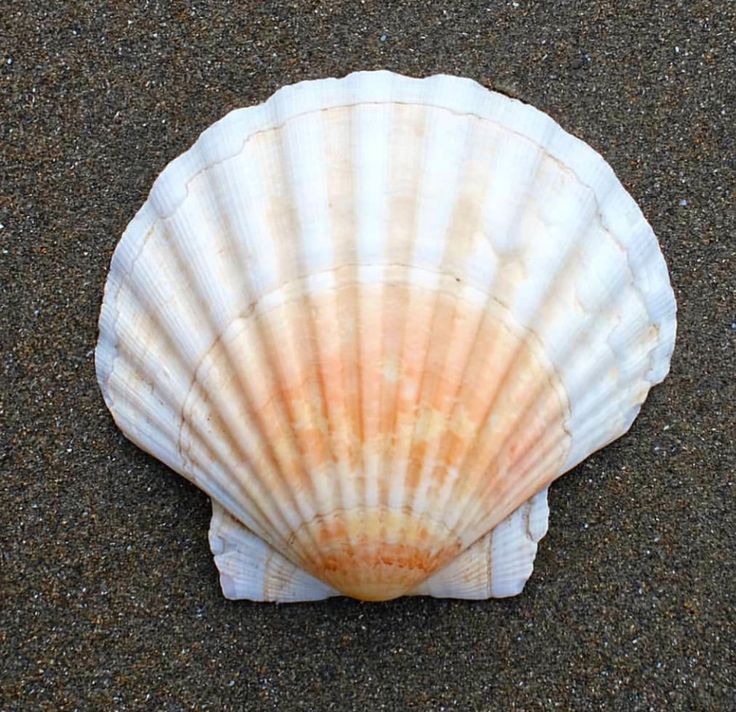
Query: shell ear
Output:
(251,569)
(496,566)
(499,563)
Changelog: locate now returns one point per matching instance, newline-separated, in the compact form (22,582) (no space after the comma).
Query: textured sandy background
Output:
(109,596)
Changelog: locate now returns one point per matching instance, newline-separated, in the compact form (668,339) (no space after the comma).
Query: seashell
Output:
(373,319)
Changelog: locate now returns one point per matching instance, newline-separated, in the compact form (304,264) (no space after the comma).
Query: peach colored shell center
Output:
(377,554)
(388,424)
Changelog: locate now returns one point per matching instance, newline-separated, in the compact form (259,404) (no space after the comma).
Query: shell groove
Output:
(373,317)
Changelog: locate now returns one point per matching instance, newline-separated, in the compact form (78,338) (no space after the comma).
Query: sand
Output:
(110,599)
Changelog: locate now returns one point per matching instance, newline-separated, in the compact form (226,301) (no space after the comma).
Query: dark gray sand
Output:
(109,596)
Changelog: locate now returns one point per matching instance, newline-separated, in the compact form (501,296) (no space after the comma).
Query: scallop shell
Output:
(373,319)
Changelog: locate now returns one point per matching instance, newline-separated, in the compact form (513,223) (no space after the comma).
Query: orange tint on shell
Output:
(395,424)
(377,555)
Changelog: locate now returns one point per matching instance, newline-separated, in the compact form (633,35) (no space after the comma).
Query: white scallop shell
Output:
(371,318)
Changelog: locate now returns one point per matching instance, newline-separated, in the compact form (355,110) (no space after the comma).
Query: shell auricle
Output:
(373,319)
